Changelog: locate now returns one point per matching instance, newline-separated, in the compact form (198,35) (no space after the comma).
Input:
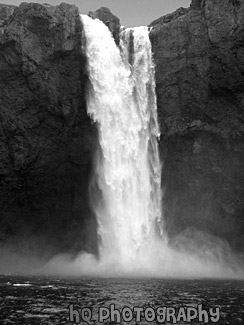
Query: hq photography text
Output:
(161,315)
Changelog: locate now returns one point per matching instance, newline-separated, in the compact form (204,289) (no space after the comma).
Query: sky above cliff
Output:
(131,12)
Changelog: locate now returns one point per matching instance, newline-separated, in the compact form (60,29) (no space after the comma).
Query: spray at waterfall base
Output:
(126,186)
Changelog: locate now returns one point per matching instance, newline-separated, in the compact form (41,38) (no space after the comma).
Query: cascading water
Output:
(126,190)
(127,194)
(122,101)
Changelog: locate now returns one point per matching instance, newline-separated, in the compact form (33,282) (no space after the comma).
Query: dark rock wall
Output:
(109,19)
(46,137)
(199,57)
(47,140)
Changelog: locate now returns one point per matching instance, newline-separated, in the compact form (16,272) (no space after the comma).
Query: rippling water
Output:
(45,300)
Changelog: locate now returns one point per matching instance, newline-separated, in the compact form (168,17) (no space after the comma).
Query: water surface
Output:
(46,300)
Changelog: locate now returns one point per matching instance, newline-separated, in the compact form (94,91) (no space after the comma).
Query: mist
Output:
(197,256)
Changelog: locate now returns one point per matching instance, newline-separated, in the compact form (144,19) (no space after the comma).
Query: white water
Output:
(126,189)
(122,101)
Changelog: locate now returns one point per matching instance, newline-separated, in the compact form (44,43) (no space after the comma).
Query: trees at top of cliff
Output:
(109,19)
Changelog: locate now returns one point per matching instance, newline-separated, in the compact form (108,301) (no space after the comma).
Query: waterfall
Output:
(122,101)
(126,188)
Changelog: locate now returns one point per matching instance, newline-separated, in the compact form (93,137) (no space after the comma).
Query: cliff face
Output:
(199,57)
(109,19)
(46,138)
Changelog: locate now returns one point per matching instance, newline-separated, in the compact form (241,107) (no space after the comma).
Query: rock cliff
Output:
(199,57)
(109,19)
(46,138)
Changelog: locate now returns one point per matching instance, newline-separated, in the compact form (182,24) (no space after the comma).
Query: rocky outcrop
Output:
(46,137)
(199,59)
(109,19)
(169,17)
(6,12)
